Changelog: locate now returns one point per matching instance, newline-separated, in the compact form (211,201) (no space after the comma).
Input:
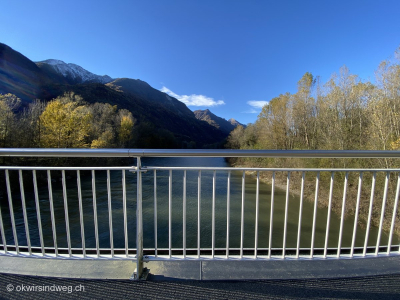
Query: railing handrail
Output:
(85,152)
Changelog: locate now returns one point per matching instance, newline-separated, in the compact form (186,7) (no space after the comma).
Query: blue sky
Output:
(227,56)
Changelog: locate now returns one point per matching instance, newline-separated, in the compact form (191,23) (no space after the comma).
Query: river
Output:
(177,211)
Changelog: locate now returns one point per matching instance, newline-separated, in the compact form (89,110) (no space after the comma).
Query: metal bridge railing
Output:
(193,213)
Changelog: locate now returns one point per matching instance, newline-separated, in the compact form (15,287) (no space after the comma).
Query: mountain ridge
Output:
(215,121)
(144,90)
(19,75)
(236,123)
(74,73)
(159,116)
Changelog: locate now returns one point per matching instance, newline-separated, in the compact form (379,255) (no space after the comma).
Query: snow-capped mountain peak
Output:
(75,73)
(54,62)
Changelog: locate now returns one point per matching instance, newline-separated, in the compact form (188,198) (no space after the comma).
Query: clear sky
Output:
(227,56)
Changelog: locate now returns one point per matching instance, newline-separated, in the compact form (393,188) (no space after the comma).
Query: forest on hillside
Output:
(345,113)
(64,122)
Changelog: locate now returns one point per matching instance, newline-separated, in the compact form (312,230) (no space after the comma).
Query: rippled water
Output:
(176,212)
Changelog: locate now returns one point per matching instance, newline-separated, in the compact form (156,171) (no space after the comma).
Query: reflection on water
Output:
(162,192)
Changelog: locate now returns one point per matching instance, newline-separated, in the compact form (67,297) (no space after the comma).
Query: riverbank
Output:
(337,193)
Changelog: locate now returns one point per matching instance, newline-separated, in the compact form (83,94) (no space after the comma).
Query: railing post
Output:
(139,223)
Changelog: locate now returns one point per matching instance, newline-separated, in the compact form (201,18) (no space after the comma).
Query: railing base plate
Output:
(144,276)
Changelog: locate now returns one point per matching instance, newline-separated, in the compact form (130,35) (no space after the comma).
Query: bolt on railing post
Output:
(139,223)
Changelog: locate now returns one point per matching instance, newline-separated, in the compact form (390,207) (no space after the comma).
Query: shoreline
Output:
(323,197)
(280,183)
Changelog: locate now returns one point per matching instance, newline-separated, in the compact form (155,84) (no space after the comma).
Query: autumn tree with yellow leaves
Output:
(66,123)
(69,122)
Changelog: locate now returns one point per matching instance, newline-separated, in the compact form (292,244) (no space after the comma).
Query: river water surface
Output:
(162,191)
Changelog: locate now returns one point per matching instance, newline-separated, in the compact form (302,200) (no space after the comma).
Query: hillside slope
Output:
(162,121)
(215,121)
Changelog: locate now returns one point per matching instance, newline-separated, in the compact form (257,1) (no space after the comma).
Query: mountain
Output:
(154,120)
(74,74)
(220,123)
(143,90)
(161,121)
(19,75)
(236,123)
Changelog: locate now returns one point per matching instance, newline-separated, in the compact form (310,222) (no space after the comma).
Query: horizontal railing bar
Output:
(77,249)
(122,250)
(266,169)
(38,248)
(247,258)
(82,152)
(262,249)
(233,257)
(67,168)
(26,168)
(65,152)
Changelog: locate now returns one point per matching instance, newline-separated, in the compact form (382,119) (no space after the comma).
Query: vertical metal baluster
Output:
(300,215)
(242,215)
(286,215)
(53,222)
(21,186)
(198,212)
(12,212)
(356,215)
(139,221)
(170,215)
(110,222)
(228,208)
(342,214)
(96,225)
(371,201)
(3,236)
(382,213)
(125,213)
(39,218)
(184,214)
(271,218)
(155,213)
(257,214)
(314,216)
(78,183)
(328,219)
(64,186)
(396,201)
(213,216)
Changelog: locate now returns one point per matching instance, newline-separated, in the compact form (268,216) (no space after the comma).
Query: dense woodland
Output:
(65,122)
(345,113)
